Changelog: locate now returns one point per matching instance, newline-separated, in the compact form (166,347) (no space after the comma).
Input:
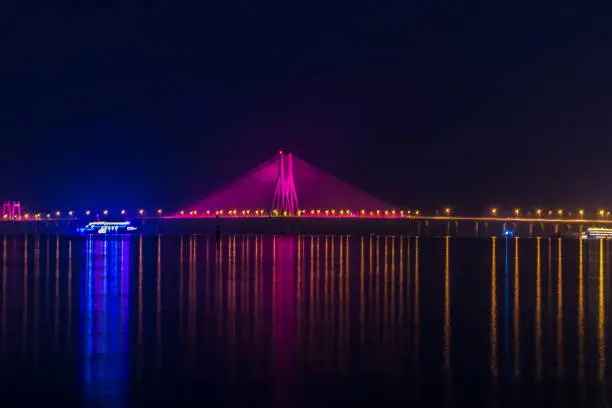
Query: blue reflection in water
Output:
(104,309)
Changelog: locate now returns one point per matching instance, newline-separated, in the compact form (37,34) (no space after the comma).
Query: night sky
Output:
(421,105)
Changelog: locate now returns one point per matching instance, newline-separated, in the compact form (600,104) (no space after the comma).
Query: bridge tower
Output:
(285,195)
(7,210)
(16,210)
(11,210)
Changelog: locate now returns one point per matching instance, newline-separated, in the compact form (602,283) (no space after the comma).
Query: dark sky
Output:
(420,105)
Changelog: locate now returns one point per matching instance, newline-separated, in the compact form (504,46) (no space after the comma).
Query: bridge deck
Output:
(348,218)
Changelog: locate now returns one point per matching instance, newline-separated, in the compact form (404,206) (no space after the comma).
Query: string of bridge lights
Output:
(73,214)
(518,213)
(230,213)
(366,213)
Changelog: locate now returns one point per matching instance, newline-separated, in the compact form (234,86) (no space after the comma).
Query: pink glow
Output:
(254,190)
(277,184)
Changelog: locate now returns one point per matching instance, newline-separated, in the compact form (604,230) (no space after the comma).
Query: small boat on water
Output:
(108,228)
(597,233)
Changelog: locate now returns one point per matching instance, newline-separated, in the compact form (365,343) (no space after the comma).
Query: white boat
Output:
(597,233)
(107,227)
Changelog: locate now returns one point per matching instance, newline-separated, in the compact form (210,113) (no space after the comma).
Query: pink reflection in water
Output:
(283,292)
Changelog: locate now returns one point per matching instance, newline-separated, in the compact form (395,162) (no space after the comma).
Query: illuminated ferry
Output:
(108,228)
(597,233)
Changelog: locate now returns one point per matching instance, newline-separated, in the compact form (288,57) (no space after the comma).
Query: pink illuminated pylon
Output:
(7,210)
(285,196)
(290,184)
(16,210)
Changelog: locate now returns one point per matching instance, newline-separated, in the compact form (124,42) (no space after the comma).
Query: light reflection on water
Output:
(379,319)
(105,313)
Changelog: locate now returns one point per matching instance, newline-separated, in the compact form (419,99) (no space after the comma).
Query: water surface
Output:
(303,321)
